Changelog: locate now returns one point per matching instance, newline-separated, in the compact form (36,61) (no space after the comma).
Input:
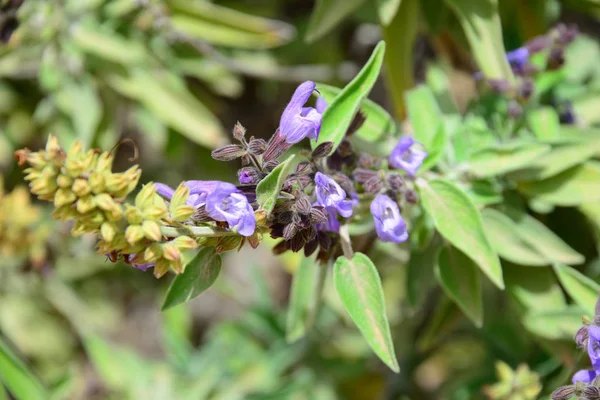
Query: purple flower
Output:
(331,195)
(389,224)
(226,203)
(199,190)
(518,57)
(332,224)
(584,375)
(297,121)
(142,267)
(245,178)
(406,157)
(593,347)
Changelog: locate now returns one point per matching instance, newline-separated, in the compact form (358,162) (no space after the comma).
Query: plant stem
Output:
(345,241)
(196,231)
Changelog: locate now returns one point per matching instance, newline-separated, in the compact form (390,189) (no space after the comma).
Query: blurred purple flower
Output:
(584,375)
(518,57)
(198,191)
(225,203)
(331,195)
(245,178)
(406,157)
(389,224)
(332,224)
(297,121)
(593,346)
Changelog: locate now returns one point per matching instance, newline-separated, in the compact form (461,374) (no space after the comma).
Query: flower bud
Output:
(153,252)
(185,243)
(97,182)
(270,165)
(303,168)
(180,197)
(239,131)
(514,109)
(183,213)
(303,205)
(276,147)
(526,89)
(362,175)
(133,214)
(592,393)
(81,187)
(108,230)
(64,181)
(563,393)
(228,243)
(395,181)
(556,58)
(151,230)
(248,175)
(499,85)
(171,252)
(411,196)
(581,336)
(228,153)
(64,197)
(85,204)
(257,146)
(134,233)
(323,150)
(161,267)
(373,185)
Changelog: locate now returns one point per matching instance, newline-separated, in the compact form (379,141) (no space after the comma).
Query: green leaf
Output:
(501,159)
(577,185)
(562,157)
(108,45)
(228,27)
(19,381)
(378,123)
(420,272)
(460,279)
(359,287)
(457,219)
(439,82)
(339,114)
(326,15)
(387,10)
(198,276)
(436,149)
(583,290)
(303,298)
(481,23)
(506,239)
(267,190)
(424,114)
(541,238)
(544,123)
(534,289)
(554,324)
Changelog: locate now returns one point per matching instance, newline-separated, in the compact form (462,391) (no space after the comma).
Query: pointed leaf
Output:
(457,219)
(534,289)
(554,324)
(387,10)
(267,190)
(198,276)
(378,124)
(339,114)
(327,14)
(501,159)
(460,279)
(424,114)
(19,381)
(303,298)
(358,284)
(583,290)
(544,123)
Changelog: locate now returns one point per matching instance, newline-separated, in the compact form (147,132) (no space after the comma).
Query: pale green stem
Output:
(345,241)
(195,231)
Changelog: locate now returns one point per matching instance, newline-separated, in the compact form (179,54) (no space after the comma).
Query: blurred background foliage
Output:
(175,75)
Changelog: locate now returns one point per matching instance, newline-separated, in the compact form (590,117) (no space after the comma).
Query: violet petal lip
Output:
(389,224)
(406,156)
(297,121)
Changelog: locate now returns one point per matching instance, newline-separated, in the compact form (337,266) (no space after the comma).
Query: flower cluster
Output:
(323,191)
(586,382)
(553,46)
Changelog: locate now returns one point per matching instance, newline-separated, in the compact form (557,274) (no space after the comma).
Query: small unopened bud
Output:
(563,393)
(64,181)
(276,147)
(395,181)
(239,131)
(97,182)
(133,234)
(537,44)
(411,196)
(373,185)
(248,175)
(592,393)
(228,153)
(153,252)
(133,214)
(581,336)
(323,150)
(108,231)
(161,267)
(183,213)
(81,187)
(228,243)
(185,243)
(499,85)
(303,205)
(257,146)
(289,231)
(526,89)
(151,230)
(180,197)
(64,197)
(270,165)
(85,204)
(365,160)
(318,215)
(556,58)
(303,168)
(171,252)
(261,217)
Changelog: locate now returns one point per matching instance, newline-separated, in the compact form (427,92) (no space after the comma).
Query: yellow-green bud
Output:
(145,197)
(64,181)
(133,214)
(134,233)
(108,231)
(228,243)
(156,212)
(64,197)
(104,163)
(85,204)
(32,174)
(184,243)
(96,181)
(53,149)
(171,252)
(81,187)
(180,197)
(153,252)
(182,213)
(161,267)
(151,230)
(64,213)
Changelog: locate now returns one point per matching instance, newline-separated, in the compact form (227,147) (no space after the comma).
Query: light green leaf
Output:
(439,82)
(19,381)
(484,192)
(577,185)
(542,239)
(268,189)
(198,276)
(501,159)
(359,287)
(424,114)
(303,298)
(436,149)
(420,272)
(378,122)
(554,324)
(387,10)
(226,26)
(592,212)
(339,114)
(534,289)
(460,279)
(506,239)
(583,290)
(108,45)
(326,15)
(457,219)
(481,23)
(544,123)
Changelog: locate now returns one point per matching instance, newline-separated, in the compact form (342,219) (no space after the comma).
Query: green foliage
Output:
(20,382)
(267,191)
(304,298)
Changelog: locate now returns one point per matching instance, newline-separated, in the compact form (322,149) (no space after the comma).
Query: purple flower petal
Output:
(389,224)
(297,121)
(332,224)
(518,57)
(225,203)
(330,194)
(406,157)
(584,375)
(321,105)
(164,190)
